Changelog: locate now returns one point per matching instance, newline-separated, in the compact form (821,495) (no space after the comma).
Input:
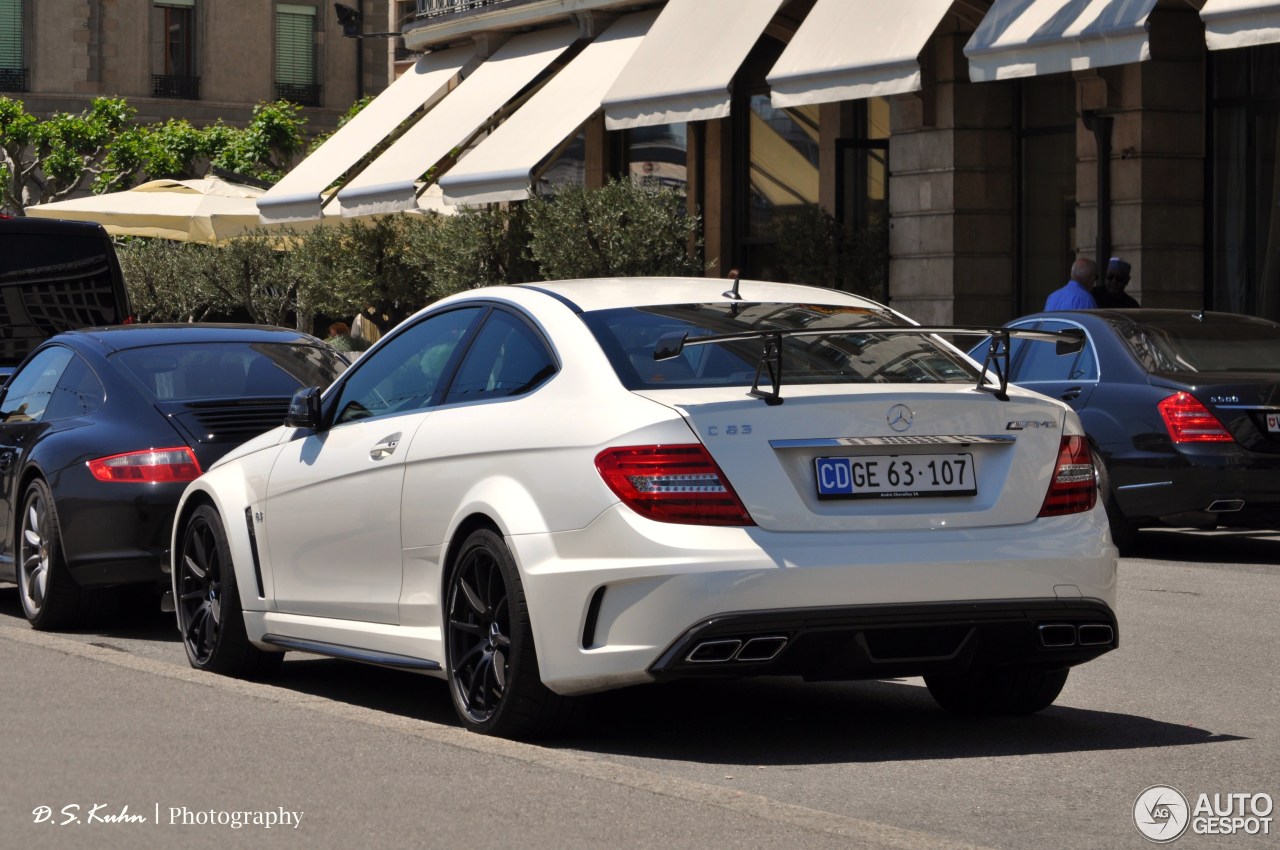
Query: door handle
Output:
(1072,393)
(385,447)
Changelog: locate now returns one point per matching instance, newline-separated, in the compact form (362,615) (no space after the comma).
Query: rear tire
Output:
(210,617)
(998,690)
(51,598)
(1124,531)
(492,664)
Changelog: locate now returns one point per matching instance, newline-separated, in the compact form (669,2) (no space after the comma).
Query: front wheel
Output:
(998,690)
(208,603)
(492,664)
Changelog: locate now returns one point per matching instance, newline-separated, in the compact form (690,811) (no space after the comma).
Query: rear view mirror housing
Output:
(304,409)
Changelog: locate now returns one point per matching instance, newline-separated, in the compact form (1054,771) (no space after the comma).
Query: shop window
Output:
(566,166)
(1245,220)
(173,54)
(1046,188)
(13,70)
(296,54)
(659,157)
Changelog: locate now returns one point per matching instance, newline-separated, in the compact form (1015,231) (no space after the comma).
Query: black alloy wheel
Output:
(1124,531)
(493,669)
(51,598)
(210,617)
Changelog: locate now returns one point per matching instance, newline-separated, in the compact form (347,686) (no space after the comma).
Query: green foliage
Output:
(619,230)
(264,149)
(815,249)
(477,247)
(166,280)
(44,160)
(390,268)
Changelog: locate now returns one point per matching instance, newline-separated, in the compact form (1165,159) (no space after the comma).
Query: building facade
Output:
(201,60)
(988,141)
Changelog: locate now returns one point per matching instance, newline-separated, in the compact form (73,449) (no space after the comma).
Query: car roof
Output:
(122,337)
(606,293)
(24,226)
(1145,315)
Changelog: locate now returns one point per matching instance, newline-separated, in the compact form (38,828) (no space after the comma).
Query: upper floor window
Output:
(173,54)
(13,70)
(296,54)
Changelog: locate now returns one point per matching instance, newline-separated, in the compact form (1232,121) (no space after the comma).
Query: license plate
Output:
(1273,423)
(895,476)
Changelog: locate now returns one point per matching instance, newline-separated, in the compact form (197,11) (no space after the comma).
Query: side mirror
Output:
(304,409)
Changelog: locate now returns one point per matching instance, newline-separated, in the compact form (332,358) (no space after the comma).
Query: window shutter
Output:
(295,45)
(11,52)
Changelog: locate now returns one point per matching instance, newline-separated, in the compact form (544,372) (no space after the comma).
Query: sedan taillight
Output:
(148,466)
(1074,488)
(672,484)
(1189,421)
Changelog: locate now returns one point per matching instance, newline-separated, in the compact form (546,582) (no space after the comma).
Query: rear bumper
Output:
(886,641)
(1231,485)
(602,619)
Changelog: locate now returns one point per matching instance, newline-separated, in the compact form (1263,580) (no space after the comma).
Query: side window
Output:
(79,392)
(1041,362)
(508,358)
(406,373)
(31,389)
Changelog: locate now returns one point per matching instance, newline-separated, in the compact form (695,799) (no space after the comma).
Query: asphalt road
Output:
(115,718)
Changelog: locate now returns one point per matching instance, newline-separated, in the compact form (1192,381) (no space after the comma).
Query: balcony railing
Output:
(13,79)
(301,95)
(439,8)
(170,85)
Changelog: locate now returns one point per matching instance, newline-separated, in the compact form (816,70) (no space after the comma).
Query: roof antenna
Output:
(733,293)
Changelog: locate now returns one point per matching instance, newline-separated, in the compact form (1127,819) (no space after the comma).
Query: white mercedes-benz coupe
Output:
(546,490)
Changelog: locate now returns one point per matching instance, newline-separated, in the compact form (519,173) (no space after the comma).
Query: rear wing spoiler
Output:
(770,362)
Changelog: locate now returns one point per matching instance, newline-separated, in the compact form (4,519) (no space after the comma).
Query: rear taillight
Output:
(1074,487)
(672,484)
(1189,421)
(148,466)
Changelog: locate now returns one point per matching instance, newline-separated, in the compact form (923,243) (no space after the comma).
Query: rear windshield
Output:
(847,355)
(221,370)
(1216,344)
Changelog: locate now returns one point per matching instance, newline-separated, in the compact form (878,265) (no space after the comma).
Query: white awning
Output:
(500,168)
(1021,39)
(683,69)
(388,183)
(1240,23)
(297,196)
(854,49)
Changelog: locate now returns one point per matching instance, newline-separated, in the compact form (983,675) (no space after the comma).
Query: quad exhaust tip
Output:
(756,649)
(1059,635)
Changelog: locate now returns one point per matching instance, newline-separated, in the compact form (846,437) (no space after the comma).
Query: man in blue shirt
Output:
(1075,294)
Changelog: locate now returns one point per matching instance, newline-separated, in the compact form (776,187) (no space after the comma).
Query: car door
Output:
(25,401)
(489,426)
(1070,377)
(332,516)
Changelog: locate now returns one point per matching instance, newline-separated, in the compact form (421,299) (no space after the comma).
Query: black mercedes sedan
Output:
(102,428)
(1182,408)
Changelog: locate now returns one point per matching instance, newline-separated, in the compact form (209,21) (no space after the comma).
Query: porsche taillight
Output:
(679,483)
(1189,421)
(148,466)
(1074,487)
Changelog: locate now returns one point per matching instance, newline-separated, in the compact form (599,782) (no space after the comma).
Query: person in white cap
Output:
(1110,293)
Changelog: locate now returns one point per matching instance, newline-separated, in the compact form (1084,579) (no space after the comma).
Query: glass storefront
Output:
(1245,221)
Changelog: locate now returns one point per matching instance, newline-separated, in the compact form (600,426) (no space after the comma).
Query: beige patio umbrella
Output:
(209,210)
